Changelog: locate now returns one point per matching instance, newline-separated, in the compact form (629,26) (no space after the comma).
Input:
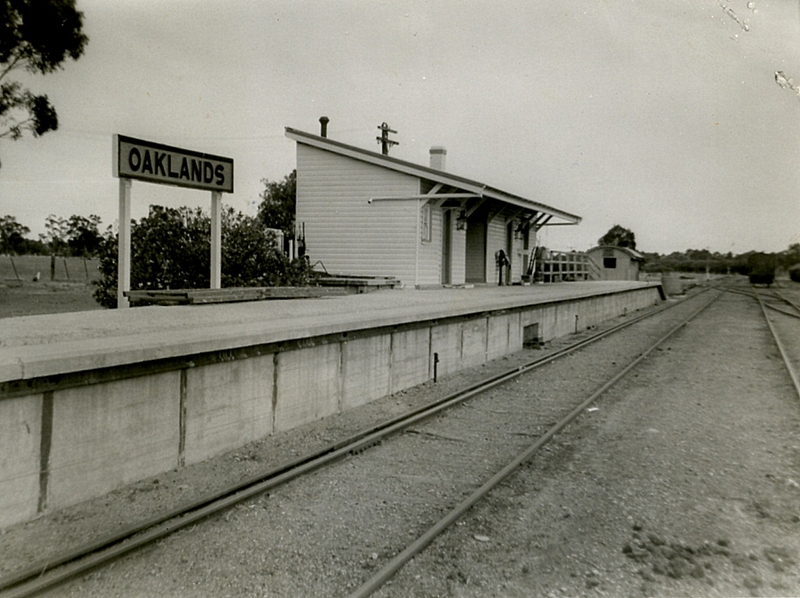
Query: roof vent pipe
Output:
(323,126)
(438,155)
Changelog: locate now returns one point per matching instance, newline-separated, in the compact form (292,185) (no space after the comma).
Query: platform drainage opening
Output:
(530,336)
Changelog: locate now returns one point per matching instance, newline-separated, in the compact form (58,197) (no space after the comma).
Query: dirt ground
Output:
(28,298)
(683,482)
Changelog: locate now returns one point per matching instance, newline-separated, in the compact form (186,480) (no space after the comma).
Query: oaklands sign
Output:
(165,165)
(157,163)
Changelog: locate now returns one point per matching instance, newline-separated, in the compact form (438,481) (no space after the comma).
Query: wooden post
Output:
(216,240)
(124,249)
(14,266)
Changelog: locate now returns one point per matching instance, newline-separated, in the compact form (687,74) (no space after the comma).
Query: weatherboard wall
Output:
(344,232)
(624,267)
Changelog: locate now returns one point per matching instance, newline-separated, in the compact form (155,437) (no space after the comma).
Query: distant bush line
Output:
(694,260)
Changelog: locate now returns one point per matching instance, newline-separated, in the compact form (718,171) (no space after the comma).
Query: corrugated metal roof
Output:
(432,174)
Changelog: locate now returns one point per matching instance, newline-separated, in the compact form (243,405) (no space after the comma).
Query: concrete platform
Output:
(91,401)
(34,346)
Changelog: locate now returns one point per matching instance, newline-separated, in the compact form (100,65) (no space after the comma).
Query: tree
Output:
(619,237)
(12,234)
(36,36)
(55,235)
(83,235)
(278,204)
(791,256)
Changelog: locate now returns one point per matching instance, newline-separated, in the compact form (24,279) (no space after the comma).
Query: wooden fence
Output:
(63,269)
(563,266)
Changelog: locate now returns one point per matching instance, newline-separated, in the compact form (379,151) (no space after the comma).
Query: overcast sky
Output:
(662,116)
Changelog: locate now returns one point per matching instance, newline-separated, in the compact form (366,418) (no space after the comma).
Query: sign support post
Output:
(216,240)
(124,248)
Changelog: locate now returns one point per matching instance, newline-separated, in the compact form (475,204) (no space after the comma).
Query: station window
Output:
(609,262)
(425,223)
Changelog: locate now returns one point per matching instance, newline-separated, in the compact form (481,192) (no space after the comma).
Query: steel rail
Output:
(775,296)
(785,300)
(753,293)
(740,291)
(783,311)
(59,569)
(388,571)
(781,349)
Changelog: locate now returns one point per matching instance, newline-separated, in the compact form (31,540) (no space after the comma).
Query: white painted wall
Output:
(627,269)
(343,231)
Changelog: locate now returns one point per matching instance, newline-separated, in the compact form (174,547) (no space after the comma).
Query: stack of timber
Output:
(358,284)
(230,295)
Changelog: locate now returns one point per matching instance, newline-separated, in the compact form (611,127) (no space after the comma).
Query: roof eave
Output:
(633,253)
(418,170)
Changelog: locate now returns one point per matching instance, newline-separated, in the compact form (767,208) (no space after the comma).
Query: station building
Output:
(367,214)
(615,263)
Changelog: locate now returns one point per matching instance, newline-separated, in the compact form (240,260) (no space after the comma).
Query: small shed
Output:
(615,263)
(364,213)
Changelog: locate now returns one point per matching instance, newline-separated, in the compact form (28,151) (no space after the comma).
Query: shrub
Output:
(170,249)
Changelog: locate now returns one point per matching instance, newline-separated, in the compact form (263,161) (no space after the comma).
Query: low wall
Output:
(69,437)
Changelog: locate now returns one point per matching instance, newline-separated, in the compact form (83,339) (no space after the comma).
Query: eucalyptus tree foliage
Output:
(35,36)
(278,200)
(12,234)
(619,236)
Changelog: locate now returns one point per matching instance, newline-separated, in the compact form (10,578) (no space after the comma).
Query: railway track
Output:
(721,380)
(415,425)
(782,315)
(785,328)
(380,578)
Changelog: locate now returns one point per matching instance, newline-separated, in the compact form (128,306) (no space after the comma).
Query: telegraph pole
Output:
(384,140)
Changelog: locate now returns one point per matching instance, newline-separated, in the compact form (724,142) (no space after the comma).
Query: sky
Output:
(663,117)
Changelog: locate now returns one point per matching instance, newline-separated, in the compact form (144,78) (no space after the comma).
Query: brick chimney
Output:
(438,155)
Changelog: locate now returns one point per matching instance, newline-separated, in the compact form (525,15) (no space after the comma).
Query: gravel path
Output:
(682,482)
